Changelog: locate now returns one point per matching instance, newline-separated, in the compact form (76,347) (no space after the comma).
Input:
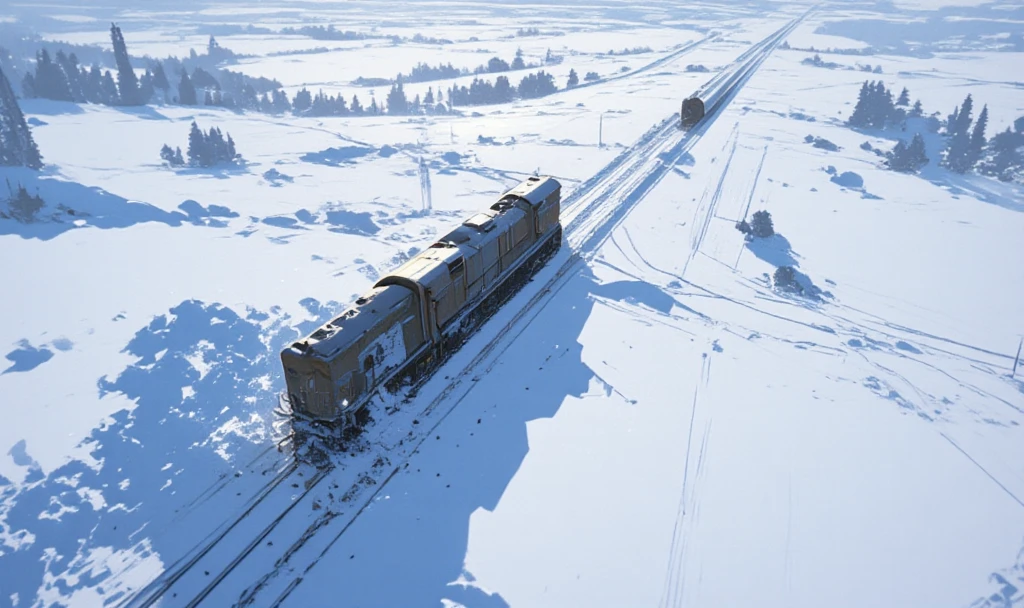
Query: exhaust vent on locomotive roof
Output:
(506,202)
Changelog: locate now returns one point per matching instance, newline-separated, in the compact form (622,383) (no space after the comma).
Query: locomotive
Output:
(691,112)
(411,320)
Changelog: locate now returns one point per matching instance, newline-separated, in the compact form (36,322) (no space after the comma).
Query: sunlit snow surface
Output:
(662,428)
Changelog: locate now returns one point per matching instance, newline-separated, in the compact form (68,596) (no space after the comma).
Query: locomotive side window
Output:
(368,363)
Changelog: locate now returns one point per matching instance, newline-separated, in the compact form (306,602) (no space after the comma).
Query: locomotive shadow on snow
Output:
(409,548)
(151,462)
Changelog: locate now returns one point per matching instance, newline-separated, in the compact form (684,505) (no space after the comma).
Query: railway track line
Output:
(590,215)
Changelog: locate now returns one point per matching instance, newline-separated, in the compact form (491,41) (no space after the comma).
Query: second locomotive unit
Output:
(412,319)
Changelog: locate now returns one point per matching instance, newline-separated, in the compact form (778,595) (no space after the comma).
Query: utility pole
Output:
(425,194)
(451,133)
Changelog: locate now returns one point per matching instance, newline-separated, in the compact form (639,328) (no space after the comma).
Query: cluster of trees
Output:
(199,80)
(1004,157)
(63,79)
(637,50)
(204,149)
(423,72)
(966,146)
(908,158)
(319,32)
(17,148)
(482,92)
(397,103)
(876,109)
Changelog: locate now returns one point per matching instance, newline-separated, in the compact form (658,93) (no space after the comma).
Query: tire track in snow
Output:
(702,230)
(983,469)
(750,200)
(688,510)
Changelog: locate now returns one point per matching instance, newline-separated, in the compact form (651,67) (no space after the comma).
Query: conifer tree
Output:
(108,90)
(196,146)
(761,224)
(186,91)
(357,108)
(17,147)
(303,101)
(917,110)
(958,149)
(397,103)
(859,117)
(1004,155)
(160,81)
(518,63)
(904,99)
(978,141)
(127,82)
(917,152)
(574,79)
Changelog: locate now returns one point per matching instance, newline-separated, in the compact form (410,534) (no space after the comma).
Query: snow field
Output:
(666,430)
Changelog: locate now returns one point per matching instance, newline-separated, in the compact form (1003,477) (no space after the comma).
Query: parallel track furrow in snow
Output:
(150,594)
(590,214)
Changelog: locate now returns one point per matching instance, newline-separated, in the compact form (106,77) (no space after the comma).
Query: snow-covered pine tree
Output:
(186,91)
(574,79)
(17,148)
(916,152)
(904,99)
(127,82)
(167,154)
(958,150)
(859,117)
(977,145)
(397,103)
(160,79)
(196,146)
(1004,155)
(899,159)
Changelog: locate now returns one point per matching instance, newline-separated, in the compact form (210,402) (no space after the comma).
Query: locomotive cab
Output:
(691,112)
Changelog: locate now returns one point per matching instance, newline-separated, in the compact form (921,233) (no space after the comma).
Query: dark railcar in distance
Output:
(691,112)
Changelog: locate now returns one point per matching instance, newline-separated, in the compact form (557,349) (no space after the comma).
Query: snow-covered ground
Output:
(648,423)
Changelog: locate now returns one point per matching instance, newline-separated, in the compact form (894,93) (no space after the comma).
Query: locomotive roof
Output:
(424,268)
(350,325)
(535,189)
